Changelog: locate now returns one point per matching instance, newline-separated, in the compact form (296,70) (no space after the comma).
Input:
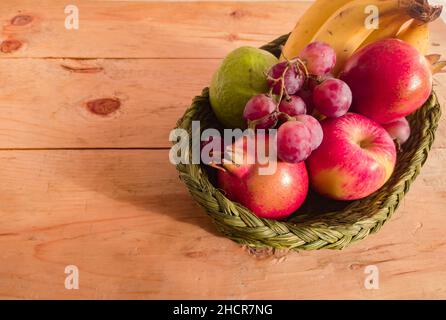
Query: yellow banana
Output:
(417,34)
(307,26)
(346,30)
(389,28)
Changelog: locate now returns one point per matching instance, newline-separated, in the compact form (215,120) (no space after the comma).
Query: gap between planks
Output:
(85,149)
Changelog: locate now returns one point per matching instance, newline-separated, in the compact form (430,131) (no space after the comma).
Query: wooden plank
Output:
(51,110)
(142,29)
(131,228)
(134,29)
(33,116)
(44,103)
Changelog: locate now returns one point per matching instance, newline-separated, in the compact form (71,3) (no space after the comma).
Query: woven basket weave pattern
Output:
(334,229)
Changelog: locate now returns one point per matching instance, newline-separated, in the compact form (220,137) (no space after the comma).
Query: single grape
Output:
(332,98)
(293,106)
(320,58)
(293,142)
(261,106)
(399,130)
(315,129)
(294,78)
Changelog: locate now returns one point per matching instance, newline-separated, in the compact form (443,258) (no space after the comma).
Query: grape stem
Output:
(300,66)
(287,116)
(299,63)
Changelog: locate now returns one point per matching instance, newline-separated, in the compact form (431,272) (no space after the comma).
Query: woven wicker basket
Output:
(320,222)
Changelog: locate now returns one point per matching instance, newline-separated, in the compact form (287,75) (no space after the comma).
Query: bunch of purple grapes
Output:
(300,88)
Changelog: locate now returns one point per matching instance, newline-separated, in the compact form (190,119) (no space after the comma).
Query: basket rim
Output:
(241,225)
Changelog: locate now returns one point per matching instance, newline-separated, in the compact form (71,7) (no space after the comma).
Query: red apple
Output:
(272,196)
(356,157)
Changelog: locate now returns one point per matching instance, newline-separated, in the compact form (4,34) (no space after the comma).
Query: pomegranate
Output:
(389,79)
(275,195)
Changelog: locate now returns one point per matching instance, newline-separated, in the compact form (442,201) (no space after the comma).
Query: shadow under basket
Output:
(320,222)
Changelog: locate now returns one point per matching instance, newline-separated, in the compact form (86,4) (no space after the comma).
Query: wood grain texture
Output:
(133,29)
(127,222)
(44,103)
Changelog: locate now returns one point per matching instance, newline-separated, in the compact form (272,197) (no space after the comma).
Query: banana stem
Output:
(423,11)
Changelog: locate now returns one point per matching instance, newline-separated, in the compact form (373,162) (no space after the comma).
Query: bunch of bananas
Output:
(348,25)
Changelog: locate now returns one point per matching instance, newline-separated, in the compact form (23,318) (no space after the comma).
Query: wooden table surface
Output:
(90,184)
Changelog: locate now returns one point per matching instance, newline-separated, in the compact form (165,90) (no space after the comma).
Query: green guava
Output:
(241,75)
